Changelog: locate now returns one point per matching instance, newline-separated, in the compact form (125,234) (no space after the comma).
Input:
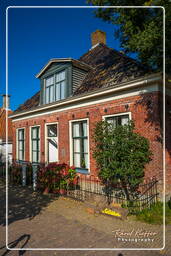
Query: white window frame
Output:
(46,155)
(17,155)
(71,142)
(30,142)
(118,114)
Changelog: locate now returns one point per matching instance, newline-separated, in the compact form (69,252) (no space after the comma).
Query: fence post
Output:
(23,174)
(35,167)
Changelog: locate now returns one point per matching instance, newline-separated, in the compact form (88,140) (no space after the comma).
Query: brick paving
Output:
(39,221)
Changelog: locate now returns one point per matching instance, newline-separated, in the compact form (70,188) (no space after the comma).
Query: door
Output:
(52,143)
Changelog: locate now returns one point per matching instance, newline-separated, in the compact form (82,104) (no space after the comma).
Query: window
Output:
(55,87)
(118,120)
(51,143)
(35,144)
(80,144)
(21,144)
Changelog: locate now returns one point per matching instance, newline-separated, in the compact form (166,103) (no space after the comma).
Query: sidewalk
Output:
(39,221)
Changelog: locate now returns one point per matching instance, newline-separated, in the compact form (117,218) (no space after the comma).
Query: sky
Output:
(36,35)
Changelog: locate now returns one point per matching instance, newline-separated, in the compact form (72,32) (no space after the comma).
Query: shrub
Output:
(56,176)
(121,155)
(154,215)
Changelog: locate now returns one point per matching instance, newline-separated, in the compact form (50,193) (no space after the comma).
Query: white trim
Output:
(120,95)
(30,142)
(20,128)
(71,141)
(45,127)
(118,114)
(103,91)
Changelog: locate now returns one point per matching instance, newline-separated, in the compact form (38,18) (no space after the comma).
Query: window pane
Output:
(47,95)
(49,81)
(60,76)
(76,130)
(34,145)
(35,157)
(63,90)
(77,160)
(20,155)
(51,94)
(20,145)
(85,142)
(125,120)
(85,129)
(21,134)
(52,130)
(86,160)
(76,145)
(112,121)
(34,133)
(58,91)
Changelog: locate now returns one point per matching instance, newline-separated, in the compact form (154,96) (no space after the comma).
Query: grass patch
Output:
(154,215)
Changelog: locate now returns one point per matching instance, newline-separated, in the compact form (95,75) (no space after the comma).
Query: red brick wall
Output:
(145,111)
(168,143)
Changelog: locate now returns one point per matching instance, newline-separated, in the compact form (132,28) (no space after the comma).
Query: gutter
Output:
(94,94)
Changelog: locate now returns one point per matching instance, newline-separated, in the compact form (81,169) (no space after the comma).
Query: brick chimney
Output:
(97,37)
(6,101)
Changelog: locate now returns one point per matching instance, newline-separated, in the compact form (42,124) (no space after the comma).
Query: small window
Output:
(80,144)
(118,120)
(21,144)
(55,87)
(35,144)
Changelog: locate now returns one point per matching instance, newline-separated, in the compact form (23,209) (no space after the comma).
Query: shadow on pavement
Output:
(24,239)
(22,203)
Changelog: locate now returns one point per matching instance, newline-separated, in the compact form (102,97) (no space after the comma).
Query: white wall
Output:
(3,148)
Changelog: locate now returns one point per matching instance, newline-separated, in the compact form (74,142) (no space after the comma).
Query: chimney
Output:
(6,101)
(97,37)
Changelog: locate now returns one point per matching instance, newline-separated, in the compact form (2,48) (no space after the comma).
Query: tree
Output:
(140,30)
(121,155)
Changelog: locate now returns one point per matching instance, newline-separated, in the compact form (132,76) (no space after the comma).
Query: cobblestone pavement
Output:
(43,221)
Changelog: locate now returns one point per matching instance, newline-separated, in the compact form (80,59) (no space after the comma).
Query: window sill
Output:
(82,170)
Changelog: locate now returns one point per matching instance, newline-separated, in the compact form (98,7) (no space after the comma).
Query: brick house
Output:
(3,140)
(56,124)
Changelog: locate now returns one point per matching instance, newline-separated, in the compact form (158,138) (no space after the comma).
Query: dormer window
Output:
(55,87)
(60,78)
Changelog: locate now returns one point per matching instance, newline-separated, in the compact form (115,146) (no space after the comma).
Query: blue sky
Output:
(36,35)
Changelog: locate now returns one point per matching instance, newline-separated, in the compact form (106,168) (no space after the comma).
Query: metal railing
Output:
(26,173)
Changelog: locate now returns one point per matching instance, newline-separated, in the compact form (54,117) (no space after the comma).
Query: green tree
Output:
(121,155)
(140,30)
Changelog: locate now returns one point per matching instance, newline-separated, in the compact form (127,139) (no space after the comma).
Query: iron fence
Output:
(25,173)
(144,196)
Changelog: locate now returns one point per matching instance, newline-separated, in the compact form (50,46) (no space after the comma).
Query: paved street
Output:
(43,221)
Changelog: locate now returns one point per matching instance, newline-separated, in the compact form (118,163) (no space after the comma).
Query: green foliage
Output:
(140,30)
(121,155)
(154,215)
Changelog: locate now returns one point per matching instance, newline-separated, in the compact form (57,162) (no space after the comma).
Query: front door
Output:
(52,146)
